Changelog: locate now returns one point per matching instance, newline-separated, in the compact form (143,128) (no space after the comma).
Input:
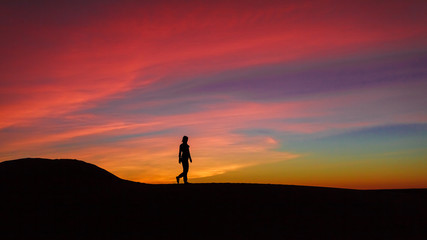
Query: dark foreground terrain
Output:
(70,199)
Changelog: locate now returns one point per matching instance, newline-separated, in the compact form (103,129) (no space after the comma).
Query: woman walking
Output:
(184,155)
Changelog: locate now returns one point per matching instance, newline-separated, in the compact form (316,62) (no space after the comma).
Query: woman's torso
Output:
(185,150)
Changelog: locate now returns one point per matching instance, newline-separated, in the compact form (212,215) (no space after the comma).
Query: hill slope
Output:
(47,168)
(115,209)
(38,174)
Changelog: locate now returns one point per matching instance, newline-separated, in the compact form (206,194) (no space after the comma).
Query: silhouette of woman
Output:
(184,155)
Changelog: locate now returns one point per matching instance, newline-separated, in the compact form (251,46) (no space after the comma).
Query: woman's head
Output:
(185,139)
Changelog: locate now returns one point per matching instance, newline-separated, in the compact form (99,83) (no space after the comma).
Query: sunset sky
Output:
(323,93)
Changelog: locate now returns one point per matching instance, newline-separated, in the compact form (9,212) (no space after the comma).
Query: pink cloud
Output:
(103,57)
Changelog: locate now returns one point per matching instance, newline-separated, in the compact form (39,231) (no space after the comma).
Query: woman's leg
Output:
(185,170)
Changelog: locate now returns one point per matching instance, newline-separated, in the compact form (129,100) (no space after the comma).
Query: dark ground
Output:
(69,199)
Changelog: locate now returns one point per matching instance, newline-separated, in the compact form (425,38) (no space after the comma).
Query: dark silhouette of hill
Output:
(69,199)
(38,174)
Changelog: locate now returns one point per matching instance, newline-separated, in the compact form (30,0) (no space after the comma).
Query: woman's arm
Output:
(179,154)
